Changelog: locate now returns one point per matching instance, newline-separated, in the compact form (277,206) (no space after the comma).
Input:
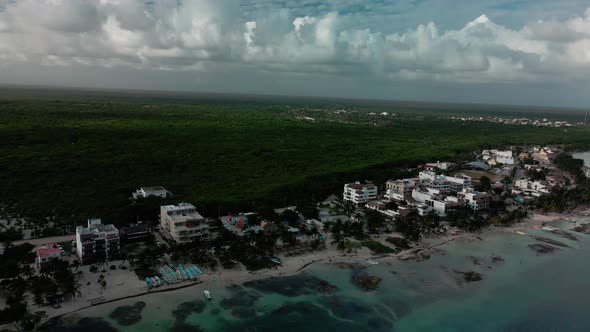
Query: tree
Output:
(375,221)
(430,222)
(313,232)
(411,230)
(10,235)
(337,231)
(342,246)
(536,175)
(102,282)
(485,184)
(75,264)
(349,207)
(309,211)
(123,260)
(27,270)
(290,216)
(29,321)
(288,237)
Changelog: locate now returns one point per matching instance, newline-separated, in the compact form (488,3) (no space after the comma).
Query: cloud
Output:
(325,38)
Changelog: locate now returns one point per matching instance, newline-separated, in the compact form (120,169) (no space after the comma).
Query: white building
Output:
(445,182)
(358,193)
(494,156)
(402,187)
(533,188)
(474,199)
(144,192)
(443,166)
(97,241)
(431,200)
(393,195)
(183,223)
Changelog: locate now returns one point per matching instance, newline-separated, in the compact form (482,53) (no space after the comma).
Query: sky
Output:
(522,52)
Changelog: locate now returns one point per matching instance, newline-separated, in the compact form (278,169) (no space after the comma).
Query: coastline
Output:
(295,265)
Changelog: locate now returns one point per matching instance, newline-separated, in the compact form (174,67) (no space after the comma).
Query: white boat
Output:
(207,295)
(372,262)
(549,228)
(520,233)
(158,280)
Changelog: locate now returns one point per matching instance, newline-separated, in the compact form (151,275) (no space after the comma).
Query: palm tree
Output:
(75,265)
(342,246)
(27,270)
(131,259)
(314,233)
(102,282)
(123,260)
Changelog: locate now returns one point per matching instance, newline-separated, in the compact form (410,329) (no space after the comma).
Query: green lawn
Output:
(377,247)
(74,159)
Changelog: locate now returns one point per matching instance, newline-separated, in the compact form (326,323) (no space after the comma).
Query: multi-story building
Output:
(358,193)
(443,166)
(474,199)
(183,223)
(144,192)
(445,182)
(403,187)
(135,232)
(494,157)
(533,188)
(97,241)
(429,199)
(459,183)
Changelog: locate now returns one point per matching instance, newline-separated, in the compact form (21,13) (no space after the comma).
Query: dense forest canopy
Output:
(74,158)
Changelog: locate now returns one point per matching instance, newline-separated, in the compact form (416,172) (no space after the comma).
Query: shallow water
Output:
(524,292)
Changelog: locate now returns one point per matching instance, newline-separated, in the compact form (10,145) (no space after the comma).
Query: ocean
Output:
(520,290)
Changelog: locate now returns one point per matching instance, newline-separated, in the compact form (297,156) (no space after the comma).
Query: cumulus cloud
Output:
(199,34)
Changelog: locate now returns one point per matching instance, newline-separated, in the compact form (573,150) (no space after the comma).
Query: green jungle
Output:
(69,158)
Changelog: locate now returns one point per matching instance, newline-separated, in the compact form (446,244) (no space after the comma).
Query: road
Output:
(43,240)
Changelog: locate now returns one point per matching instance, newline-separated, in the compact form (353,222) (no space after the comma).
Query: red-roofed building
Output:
(47,254)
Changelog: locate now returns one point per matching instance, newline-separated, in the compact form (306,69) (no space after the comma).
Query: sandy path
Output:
(44,240)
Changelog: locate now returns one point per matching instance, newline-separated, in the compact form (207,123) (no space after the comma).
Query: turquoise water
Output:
(523,292)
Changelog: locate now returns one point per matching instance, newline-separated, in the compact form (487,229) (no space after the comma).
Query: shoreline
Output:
(295,265)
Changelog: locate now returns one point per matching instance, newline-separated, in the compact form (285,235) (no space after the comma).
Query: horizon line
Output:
(186,94)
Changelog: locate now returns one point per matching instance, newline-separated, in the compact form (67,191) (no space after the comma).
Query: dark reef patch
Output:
(366,281)
(185,309)
(297,285)
(128,315)
(542,249)
(83,325)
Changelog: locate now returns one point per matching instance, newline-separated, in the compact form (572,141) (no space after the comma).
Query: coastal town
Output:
(521,121)
(101,262)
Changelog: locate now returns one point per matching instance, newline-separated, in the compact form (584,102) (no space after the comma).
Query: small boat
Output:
(182,272)
(372,262)
(153,281)
(549,228)
(188,273)
(520,233)
(207,295)
(148,282)
(158,280)
(197,270)
(276,261)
